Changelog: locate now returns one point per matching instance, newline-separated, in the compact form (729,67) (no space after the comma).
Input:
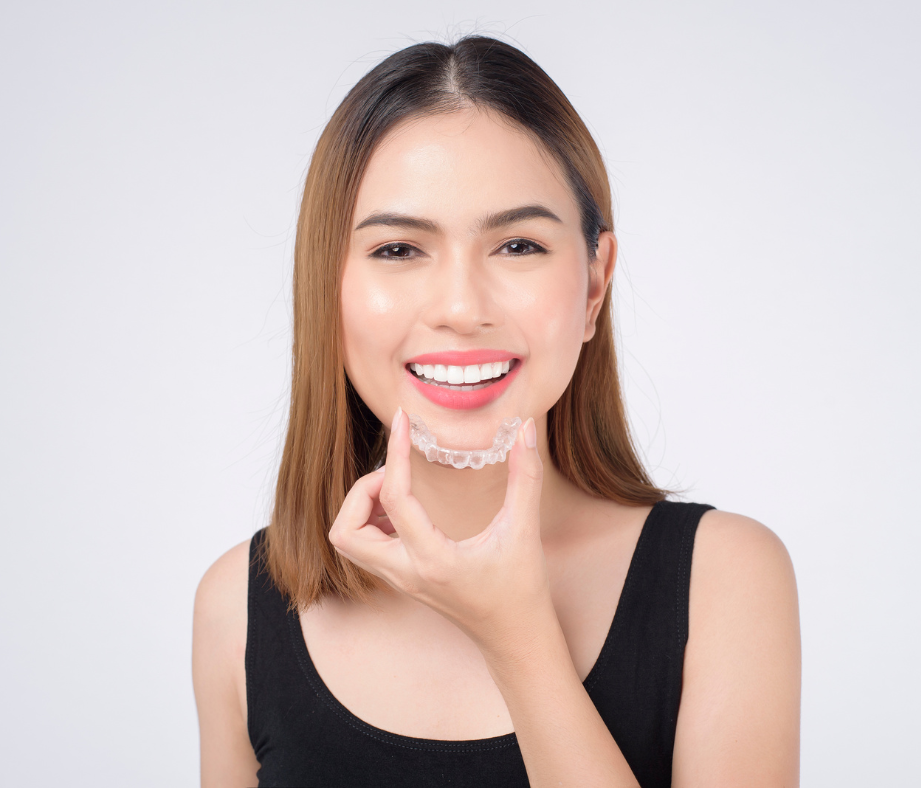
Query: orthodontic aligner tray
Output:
(423,440)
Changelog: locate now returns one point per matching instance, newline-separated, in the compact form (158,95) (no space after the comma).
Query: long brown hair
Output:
(332,436)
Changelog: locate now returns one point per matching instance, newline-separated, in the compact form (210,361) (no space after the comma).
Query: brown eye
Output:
(520,247)
(394,251)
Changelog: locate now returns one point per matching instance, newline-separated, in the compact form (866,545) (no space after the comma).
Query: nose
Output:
(461,297)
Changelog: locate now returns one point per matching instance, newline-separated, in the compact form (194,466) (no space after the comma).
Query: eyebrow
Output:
(491,221)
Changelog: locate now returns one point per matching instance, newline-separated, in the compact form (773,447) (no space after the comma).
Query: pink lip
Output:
(462,400)
(463,358)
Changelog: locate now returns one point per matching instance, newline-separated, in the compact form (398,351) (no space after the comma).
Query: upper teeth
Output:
(457,376)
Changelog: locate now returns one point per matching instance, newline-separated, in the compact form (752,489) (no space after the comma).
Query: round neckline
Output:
(447,745)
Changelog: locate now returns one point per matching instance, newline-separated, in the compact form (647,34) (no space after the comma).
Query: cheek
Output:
(558,313)
(554,320)
(373,317)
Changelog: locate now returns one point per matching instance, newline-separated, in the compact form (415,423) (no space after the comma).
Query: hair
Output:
(332,436)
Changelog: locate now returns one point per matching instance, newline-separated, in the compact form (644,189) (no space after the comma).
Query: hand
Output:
(491,585)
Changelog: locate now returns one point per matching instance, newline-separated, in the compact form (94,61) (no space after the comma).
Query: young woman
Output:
(549,619)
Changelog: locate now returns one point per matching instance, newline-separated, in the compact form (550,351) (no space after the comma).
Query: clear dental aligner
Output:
(461,458)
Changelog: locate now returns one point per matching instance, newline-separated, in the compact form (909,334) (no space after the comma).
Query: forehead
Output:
(460,165)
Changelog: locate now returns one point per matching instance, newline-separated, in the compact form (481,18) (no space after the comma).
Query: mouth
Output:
(463,387)
(473,377)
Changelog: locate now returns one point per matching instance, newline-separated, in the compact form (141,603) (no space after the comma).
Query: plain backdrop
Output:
(765,162)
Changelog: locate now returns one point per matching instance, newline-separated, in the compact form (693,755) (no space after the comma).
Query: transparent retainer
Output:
(460,458)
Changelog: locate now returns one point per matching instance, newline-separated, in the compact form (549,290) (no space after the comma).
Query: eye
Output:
(394,251)
(519,247)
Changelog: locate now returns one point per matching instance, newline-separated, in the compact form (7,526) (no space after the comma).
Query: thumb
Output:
(525,477)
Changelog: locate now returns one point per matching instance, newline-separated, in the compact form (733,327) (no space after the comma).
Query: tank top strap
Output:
(263,593)
(269,661)
(663,572)
(636,683)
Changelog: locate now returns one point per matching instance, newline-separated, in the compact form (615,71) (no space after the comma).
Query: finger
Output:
(352,536)
(373,550)
(371,554)
(407,515)
(381,519)
(525,478)
(357,508)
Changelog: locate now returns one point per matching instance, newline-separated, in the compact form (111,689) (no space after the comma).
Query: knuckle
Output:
(388,498)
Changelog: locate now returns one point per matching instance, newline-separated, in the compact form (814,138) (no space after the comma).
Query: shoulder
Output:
(742,582)
(732,551)
(219,671)
(222,592)
(738,721)
(726,536)
(220,618)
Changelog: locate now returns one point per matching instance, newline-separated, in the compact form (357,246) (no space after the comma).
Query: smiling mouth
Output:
(442,376)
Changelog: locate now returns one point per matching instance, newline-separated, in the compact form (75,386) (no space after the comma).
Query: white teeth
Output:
(461,376)
(472,374)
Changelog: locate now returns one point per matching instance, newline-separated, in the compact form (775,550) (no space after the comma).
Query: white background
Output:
(765,162)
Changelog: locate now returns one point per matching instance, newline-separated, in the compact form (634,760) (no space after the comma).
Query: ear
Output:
(600,271)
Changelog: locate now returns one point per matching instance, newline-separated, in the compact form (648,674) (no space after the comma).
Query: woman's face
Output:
(466,250)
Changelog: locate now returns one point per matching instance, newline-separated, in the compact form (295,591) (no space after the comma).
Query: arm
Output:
(218,673)
(738,722)
(563,740)
(740,705)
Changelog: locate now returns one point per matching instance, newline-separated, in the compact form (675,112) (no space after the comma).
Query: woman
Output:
(405,622)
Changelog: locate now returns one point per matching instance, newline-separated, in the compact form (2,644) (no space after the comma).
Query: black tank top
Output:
(304,738)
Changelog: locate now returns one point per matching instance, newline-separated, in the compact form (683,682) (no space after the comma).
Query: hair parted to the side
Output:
(332,437)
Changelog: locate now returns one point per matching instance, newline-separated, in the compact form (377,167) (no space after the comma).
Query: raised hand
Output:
(491,585)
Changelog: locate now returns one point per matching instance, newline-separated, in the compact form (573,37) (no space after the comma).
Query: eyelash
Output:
(537,249)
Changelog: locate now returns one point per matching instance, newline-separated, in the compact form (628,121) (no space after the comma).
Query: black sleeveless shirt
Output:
(304,738)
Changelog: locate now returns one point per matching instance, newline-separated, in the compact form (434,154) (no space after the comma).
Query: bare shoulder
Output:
(742,580)
(738,722)
(223,588)
(218,670)
(220,619)
(733,548)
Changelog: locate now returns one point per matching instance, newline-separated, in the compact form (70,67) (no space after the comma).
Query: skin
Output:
(458,289)
(502,531)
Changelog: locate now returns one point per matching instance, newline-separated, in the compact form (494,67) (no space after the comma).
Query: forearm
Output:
(563,740)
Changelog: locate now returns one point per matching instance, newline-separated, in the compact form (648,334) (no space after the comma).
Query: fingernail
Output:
(530,434)
(396,418)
